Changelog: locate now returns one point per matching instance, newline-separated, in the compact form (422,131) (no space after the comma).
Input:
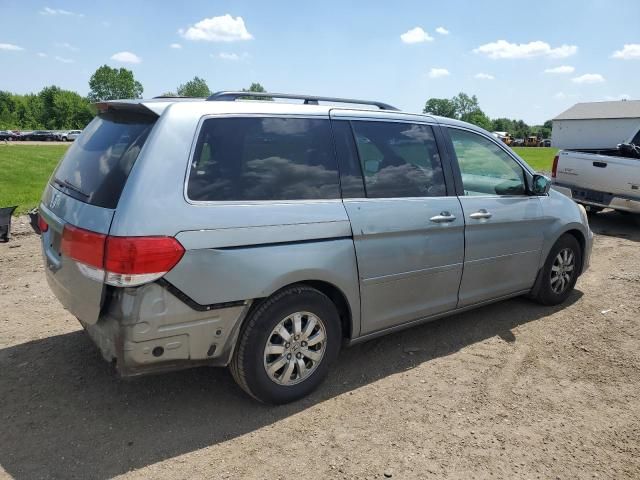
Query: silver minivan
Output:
(264,235)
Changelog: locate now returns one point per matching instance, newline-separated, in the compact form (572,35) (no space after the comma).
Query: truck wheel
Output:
(289,342)
(560,271)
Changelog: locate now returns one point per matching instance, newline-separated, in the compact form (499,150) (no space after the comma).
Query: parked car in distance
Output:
(68,135)
(608,178)
(518,142)
(8,135)
(545,143)
(39,135)
(265,235)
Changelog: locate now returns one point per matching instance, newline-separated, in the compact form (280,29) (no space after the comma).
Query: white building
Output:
(596,125)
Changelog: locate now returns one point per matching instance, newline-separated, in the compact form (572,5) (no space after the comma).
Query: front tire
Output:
(289,342)
(560,271)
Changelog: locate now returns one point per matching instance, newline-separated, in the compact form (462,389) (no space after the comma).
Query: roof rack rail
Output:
(308,99)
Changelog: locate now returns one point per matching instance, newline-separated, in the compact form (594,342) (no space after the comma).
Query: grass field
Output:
(540,158)
(24,170)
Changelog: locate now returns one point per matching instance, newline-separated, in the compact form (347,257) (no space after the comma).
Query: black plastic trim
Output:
(278,244)
(176,292)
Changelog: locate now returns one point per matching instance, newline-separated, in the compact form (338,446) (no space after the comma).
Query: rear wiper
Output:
(71,186)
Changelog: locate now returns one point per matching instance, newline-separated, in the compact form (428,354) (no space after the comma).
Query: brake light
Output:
(83,246)
(554,168)
(120,261)
(137,260)
(43,226)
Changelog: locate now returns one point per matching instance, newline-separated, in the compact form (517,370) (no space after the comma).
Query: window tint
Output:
(263,159)
(486,168)
(399,160)
(351,182)
(98,163)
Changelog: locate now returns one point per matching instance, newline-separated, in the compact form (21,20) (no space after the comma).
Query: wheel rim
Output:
(295,348)
(562,270)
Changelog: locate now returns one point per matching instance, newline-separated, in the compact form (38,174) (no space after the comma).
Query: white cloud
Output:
(126,57)
(628,52)
(560,96)
(588,78)
(416,35)
(59,11)
(218,29)
(561,69)
(10,47)
(42,55)
(442,31)
(68,46)
(177,46)
(503,49)
(438,73)
(64,60)
(484,76)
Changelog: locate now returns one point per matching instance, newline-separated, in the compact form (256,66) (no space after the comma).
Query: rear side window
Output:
(263,159)
(399,160)
(98,163)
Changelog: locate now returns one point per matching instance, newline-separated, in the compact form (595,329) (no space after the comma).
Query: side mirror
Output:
(540,185)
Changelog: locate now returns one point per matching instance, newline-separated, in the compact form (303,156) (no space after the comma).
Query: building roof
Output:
(594,110)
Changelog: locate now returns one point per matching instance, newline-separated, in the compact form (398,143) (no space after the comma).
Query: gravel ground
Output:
(512,390)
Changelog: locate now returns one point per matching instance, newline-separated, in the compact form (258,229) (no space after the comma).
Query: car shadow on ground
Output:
(66,415)
(615,224)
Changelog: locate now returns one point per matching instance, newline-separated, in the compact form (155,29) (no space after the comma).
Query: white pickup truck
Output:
(601,178)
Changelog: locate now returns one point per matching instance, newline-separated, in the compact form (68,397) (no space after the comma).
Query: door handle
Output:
(444,217)
(481,214)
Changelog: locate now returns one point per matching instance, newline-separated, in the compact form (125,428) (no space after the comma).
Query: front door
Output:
(503,233)
(408,234)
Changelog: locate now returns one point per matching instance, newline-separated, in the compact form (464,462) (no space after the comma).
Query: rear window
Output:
(263,159)
(98,163)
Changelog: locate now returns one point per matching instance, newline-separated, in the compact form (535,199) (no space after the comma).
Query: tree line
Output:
(56,109)
(467,108)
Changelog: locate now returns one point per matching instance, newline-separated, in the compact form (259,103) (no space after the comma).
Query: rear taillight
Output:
(121,261)
(136,260)
(83,246)
(554,168)
(43,226)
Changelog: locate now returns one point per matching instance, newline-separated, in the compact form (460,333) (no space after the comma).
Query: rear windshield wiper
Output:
(71,186)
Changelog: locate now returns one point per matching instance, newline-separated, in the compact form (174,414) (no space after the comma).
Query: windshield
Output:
(98,163)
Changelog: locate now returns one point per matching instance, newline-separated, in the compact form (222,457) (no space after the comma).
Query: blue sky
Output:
(507,53)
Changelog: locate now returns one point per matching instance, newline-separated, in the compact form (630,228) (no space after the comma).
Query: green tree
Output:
(479,118)
(256,87)
(465,105)
(112,83)
(440,106)
(194,88)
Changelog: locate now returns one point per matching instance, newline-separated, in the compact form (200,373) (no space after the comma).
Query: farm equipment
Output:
(5,222)
(531,141)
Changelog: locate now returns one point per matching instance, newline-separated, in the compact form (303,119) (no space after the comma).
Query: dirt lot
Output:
(513,390)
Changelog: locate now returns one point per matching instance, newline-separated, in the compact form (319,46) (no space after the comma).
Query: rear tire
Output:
(560,271)
(276,368)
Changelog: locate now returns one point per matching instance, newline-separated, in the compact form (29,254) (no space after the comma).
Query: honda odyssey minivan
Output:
(264,235)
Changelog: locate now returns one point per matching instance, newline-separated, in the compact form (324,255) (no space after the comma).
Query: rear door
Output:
(82,194)
(504,224)
(408,234)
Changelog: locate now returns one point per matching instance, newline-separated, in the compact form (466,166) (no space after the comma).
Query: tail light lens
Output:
(121,261)
(43,226)
(137,260)
(554,169)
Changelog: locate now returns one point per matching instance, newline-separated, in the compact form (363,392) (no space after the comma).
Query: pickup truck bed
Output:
(598,180)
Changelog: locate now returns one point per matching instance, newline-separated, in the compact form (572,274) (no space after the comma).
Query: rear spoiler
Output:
(155,105)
